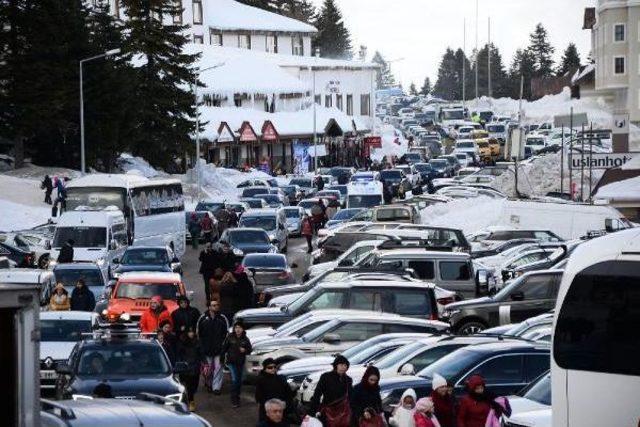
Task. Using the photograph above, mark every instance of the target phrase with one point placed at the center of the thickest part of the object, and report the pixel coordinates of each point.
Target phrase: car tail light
(446, 300)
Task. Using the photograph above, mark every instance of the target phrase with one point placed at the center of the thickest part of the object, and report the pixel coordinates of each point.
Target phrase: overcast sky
(420, 30)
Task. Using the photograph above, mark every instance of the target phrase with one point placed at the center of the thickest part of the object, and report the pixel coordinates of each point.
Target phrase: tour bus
(153, 208)
(595, 372)
(364, 194)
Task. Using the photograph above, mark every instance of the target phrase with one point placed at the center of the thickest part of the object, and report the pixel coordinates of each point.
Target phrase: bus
(596, 339)
(153, 208)
(364, 194)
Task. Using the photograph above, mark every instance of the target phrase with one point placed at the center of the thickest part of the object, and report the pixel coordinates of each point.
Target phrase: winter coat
(403, 417)
(206, 224)
(227, 262)
(66, 254)
(331, 388)
(244, 292)
(208, 261)
(473, 412)
(231, 348)
(59, 302)
(151, 319)
(444, 409)
(82, 299)
(225, 289)
(212, 332)
(363, 398)
(270, 386)
(423, 420)
(47, 184)
(170, 346)
(185, 318)
(190, 352)
(320, 184)
(233, 218)
(307, 228)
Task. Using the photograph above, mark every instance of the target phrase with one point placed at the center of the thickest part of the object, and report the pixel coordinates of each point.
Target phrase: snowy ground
(469, 215)
(21, 203)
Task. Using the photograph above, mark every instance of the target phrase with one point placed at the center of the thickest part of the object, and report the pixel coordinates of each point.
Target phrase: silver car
(294, 216)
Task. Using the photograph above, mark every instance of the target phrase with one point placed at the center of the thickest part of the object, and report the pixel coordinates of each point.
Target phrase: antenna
(489, 91)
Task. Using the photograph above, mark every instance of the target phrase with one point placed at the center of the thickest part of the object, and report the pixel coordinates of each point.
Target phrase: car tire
(470, 327)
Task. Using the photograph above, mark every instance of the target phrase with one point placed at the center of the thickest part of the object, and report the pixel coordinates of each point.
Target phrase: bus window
(157, 199)
(597, 324)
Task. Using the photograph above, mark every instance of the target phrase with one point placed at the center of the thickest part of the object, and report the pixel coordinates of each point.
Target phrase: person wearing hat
(185, 316)
(424, 416)
(153, 316)
(269, 386)
(476, 405)
(235, 349)
(366, 403)
(190, 352)
(60, 299)
(82, 299)
(443, 401)
(330, 401)
(403, 414)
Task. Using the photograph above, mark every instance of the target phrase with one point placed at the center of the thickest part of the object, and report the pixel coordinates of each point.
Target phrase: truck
(19, 339)
(364, 194)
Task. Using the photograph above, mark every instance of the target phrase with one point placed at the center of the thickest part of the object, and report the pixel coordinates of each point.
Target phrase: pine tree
(523, 65)
(333, 38)
(426, 87)
(412, 89)
(302, 10)
(542, 52)
(570, 60)
(165, 115)
(448, 82)
(384, 77)
(499, 83)
(463, 61)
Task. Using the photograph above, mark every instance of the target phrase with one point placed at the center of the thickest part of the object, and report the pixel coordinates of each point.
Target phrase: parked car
(268, 270)
(342, 216)
(254, 203)
(212, 206)
(22, 258)
(254, 191)
(32, 243)
(293, 215)
(442, 167)
(273, 200)
(342, 189)
(396, 213)
(238, 207)
(146, 258)
(293, 193)
(395, 179)
(305, 184)
(535, 396)
(348, 258)
(273, 221)
(247, 240)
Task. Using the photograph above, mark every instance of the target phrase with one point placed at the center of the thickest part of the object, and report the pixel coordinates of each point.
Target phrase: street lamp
(82, 61)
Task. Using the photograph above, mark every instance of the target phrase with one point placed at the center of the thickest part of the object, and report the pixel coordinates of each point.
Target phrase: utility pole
(562, 162)
(315, 133)
(464, 57)
(477, 56)
(489, 91)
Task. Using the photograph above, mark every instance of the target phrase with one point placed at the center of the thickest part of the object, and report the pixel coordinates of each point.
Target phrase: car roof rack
(106, 331)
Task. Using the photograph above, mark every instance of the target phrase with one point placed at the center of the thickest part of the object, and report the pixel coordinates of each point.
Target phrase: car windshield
(398, 355)
(248, 236)
(126, 359)
(57, 330)
(209, 206)
(364, 201)
(144, 256)
(341, 188)
(453, 114)
(452, 364)
(541, 391)
(292, 213)
(264, 222)
(305, 183)
(391, 174)
(70, 276)
(83, 237)
(345, 214)
(253, 192)
(495, 128)
(265, 261)
(439, 163)
(169, 291)
(254, 203)
(307, 204)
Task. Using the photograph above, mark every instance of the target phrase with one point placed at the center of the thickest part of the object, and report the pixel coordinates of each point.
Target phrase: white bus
(595, 370)
(364, 194)
(153, 208)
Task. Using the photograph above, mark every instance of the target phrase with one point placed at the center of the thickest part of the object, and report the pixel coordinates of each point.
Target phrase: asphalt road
(217, 409)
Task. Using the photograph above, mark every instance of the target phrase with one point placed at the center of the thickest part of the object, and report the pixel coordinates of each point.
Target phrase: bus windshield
(453, 114)
(95, 197)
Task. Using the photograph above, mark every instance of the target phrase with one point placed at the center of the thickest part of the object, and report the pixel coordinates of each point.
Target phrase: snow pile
(393, 143)
(220, 182)
(137, 166)
(469, 215)
(628, 189)
(16, 216)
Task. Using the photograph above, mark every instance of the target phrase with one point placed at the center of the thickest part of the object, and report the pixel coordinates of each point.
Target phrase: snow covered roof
(231, 15)
(583, 72)
(625, 190)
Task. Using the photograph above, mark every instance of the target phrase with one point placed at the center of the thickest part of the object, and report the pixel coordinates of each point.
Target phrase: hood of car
(129, 386)
(136, 306)
(56, 350)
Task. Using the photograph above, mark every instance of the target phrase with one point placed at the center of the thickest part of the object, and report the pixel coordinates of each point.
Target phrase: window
(357, 331)
(501, 370)
(350, 105)
(426, 358)
(424, 269)
(597, 324)
(618, 65)
(412, 303)
(177, 16)
(535, 365)
(328, 101)
(331, 299)
(619, 31)
(339, 102)
(198, 39)
(364, 105)
(297, 46)
(119, 234)
(215, 37)
(271, 43)
(455, 270)
(535, 287)
(244, 41)
(366, 300)
(197, 12)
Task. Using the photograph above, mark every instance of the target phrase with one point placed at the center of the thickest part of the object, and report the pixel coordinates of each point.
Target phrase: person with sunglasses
(269, 386)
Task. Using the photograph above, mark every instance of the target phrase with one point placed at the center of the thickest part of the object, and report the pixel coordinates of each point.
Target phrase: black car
(22, 258)
(146, 258)
(426, 171)
(442, 167)
(247, 241)
(128, 365)
(530, 295)
(395, 179)
(212, 207)
(507, 366)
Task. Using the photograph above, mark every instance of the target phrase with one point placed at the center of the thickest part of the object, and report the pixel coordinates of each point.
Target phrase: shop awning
(247, 134)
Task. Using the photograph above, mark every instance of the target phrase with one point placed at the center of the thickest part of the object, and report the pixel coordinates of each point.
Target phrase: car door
(534, 295)
(346, 335)
(503, 374)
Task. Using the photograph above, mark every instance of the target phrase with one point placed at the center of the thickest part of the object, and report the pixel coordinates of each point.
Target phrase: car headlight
(175, 396)
(237, 252)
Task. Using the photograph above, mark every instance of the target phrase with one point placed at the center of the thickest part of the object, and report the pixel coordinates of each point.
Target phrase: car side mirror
(115, 261)
(181, 368)
(331, 338)
(47, 244)
(517, 296)
(63, 369)
(407, 369)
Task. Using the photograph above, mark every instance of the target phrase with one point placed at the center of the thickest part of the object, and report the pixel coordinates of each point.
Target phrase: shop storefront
(249, 145)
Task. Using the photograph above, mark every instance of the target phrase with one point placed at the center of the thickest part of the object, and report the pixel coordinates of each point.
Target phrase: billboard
(302, 157)
(599, 160)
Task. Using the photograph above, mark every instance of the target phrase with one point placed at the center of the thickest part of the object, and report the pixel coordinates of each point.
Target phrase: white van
(99, 235)
(596, 339)
(364, 194)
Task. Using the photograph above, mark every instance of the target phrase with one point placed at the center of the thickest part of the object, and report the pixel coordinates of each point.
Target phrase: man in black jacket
(185, 316)
(212, 331)
(270, 385)
(333, 390)
(208, 264)
(66, 252)
(82, 298)
(235, 350)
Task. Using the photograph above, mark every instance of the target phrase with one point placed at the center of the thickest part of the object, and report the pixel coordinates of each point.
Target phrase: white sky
(420, 30)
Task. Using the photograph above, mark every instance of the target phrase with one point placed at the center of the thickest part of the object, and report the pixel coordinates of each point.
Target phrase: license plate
(48, 375)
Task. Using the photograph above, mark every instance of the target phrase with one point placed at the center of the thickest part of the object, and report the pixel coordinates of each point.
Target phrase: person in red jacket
(307, 231)
(154, 315)
(424, 417)
(444, 402)
(476, 404)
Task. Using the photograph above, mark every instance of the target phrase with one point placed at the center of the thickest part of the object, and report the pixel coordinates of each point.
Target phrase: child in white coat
(403, 414)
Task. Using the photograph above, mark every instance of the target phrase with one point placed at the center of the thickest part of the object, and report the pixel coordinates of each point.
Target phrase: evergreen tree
(333, 38)
(412, 89)
(570, 60)
(523, 65)
(384, 77)
(165, 104)
(463, 61)
(302, 10)
(447, 85)
(542, 52)
(426, 87)
(499, 80)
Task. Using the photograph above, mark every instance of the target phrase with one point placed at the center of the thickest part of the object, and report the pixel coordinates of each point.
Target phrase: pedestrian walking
(476, 405)
(235, 350)
(61, 199)
(403, 414)
(233, 217)
(60, 299)
(444, 402)
(194, 230)
(330, 401)
(207, 259)
(190, 352)
(47, 186)
(206, 226)
(82, 298)
(366, 403)
(307, 232)
(424, 416)
(269, 386)
(212, 331)
(66, 252)
(214, 284)
(319, 183)
(228, 294)
(226, 259)
(275, 414)
(185, 316)
(168, 340)
(244, 296)
(154, 315)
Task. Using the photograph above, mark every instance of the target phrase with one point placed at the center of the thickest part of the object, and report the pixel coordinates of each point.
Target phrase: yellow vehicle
(494, 144)
(479, 134)
(484, 150)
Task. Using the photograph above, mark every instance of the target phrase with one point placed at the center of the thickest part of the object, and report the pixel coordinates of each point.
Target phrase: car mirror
(63, 369)
(517, 296)
(331, 338)
(115, 261)
(407, 369)
(181, 368)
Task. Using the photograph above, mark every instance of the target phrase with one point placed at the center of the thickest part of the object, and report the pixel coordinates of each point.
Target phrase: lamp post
(82, 61)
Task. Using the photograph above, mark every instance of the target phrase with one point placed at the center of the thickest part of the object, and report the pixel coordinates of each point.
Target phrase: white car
(535, 142)
(406, 113)
(463, 158)
(539, 418)
(464, 132)
(535, 396)
(409, 171)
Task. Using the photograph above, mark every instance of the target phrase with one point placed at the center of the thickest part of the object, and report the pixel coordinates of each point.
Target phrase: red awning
(247, 134)
(269, 132)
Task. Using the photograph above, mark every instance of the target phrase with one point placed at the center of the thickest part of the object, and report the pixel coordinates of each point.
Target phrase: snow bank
(393, 143)
(220, 182)
(470, 215)
(137, 166)
(16, 216)
(628, 189)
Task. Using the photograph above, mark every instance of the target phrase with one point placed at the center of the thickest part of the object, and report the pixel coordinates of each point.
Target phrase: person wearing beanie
(424, 416)
(403, 414)
(366, 403)
(476, 404)
(269, 386)
(154, 315)
(185, 316)
(444, 401)
(235, 349)
(330, 401)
